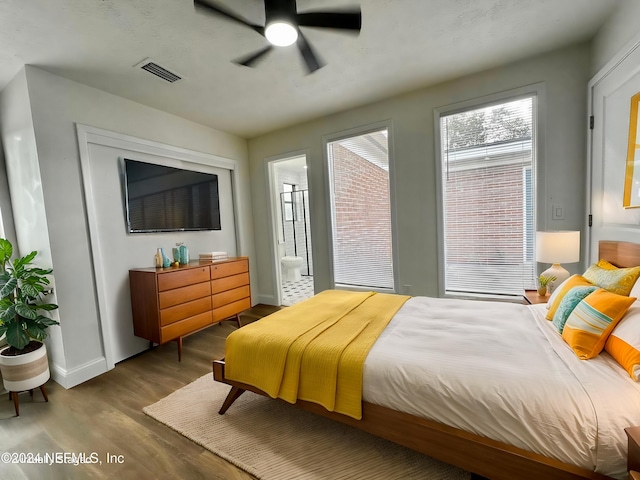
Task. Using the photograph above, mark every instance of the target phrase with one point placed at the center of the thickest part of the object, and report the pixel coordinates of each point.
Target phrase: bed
(565, 417)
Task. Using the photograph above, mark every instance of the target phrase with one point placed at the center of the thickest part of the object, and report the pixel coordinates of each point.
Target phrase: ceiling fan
(282, 27)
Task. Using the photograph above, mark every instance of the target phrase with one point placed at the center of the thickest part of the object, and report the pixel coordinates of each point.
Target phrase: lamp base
(557, 271)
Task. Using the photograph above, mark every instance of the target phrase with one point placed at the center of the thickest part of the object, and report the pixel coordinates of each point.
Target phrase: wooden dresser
(171, 303)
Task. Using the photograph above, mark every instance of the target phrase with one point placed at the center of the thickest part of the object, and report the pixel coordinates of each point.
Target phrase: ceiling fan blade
(253, 58)
(207, 6)
(310, 58)
(339, 20)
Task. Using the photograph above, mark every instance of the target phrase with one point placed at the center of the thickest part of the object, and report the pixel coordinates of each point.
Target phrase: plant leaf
(9, 286)
(47, 306)
(30, 290)
(26, 311)
(22, 262)
(8, 313)
(42, 271)
(16, 336)
(46, 321)
(37, 332)
(6, 250)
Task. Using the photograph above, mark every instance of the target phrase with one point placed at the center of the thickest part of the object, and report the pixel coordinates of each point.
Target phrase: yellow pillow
(624, 342)
(608, 276)
(568, 284)
(593, 319)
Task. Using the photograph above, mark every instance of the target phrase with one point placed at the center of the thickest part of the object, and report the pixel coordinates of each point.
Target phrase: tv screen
(164, 199)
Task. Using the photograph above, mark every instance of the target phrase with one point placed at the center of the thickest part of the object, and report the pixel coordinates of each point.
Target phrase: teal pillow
(572, 298)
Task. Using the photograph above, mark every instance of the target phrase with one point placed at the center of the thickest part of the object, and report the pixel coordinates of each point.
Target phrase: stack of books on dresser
(213, 256)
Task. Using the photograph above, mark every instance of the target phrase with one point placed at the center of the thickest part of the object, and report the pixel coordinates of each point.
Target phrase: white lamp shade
(558, 247)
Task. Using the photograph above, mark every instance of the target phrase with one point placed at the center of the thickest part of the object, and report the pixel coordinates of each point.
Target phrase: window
(488, 189)
(361, 211)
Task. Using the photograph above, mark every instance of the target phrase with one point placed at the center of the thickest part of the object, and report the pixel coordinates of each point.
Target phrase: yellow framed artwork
(632, 173)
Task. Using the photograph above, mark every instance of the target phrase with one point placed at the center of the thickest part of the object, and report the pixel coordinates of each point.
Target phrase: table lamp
(556, 248)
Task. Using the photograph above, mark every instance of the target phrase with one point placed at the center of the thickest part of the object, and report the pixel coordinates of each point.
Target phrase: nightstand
(531, 297)
(633, 454)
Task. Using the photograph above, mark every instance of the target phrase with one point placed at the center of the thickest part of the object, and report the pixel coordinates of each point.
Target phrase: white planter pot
(25, 372)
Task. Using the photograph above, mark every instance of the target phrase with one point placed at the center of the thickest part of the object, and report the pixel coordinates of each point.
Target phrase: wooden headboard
(621, 254)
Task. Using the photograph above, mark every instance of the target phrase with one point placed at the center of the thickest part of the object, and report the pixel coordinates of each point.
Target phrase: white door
(611, 91)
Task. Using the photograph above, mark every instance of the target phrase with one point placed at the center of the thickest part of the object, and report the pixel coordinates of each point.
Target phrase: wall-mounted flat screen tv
(165, 199)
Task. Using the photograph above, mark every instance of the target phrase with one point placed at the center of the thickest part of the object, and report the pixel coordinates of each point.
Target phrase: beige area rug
(276, 441)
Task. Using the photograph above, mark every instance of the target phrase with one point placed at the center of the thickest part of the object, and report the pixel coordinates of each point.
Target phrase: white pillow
(635, 291)
(554, 294)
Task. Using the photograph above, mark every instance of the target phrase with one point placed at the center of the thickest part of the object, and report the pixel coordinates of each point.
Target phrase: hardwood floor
(103, 418)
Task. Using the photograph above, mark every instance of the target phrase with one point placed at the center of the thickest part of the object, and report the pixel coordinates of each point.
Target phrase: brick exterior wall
(480, 205)
(362, 250)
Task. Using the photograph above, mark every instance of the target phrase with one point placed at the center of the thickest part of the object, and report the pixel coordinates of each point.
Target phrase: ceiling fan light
(281, 34)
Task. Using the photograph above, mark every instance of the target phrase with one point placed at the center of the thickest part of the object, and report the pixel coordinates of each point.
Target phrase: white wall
(101, 154)
(57, 105)
(7, 229)
(565, 74)
(621, 28)
(25, 187)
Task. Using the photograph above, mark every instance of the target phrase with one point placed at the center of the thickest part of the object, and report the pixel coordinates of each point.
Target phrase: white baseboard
(78, 375)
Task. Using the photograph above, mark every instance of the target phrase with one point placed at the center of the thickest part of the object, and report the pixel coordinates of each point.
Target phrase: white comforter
(502, 371)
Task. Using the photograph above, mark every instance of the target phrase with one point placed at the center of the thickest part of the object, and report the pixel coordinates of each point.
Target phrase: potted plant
(23, 362)
(543, 283)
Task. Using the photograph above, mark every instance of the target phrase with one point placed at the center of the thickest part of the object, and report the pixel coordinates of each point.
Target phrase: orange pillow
(592, 321)
(624, 342)
(572, 281)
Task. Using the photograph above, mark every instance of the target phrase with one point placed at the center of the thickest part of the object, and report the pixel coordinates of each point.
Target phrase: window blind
(361, 211)
(488, 180)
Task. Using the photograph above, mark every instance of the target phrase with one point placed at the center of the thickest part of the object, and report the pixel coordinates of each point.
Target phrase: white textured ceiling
(403, 45)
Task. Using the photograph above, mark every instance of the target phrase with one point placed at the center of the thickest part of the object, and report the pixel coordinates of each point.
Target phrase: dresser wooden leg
(238, 320)
(179, 340)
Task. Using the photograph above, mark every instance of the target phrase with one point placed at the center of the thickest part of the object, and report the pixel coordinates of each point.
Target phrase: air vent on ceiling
(158, 70)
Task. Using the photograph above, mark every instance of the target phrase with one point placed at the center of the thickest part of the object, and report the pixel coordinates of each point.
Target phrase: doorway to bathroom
(292, 226)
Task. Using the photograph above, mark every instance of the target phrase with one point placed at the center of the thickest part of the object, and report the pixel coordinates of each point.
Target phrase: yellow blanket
(313, 351)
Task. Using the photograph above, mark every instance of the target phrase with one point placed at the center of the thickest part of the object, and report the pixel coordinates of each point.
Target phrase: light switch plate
(557, 212)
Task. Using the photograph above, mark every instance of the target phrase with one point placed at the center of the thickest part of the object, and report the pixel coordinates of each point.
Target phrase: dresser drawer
(231, 309)
(177, 279)
(184, 310)
(169, 298)
(185, 327)
(230, 296)
(229, 283)
(230, 268)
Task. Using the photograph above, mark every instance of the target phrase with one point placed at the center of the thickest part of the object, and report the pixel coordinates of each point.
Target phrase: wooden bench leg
(16, 402)
(16, 398)
(44, 393)
(234, 394)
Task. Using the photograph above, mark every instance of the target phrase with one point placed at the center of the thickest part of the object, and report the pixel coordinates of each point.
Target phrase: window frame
(290, 202)
(342, 135)
(537, 90)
